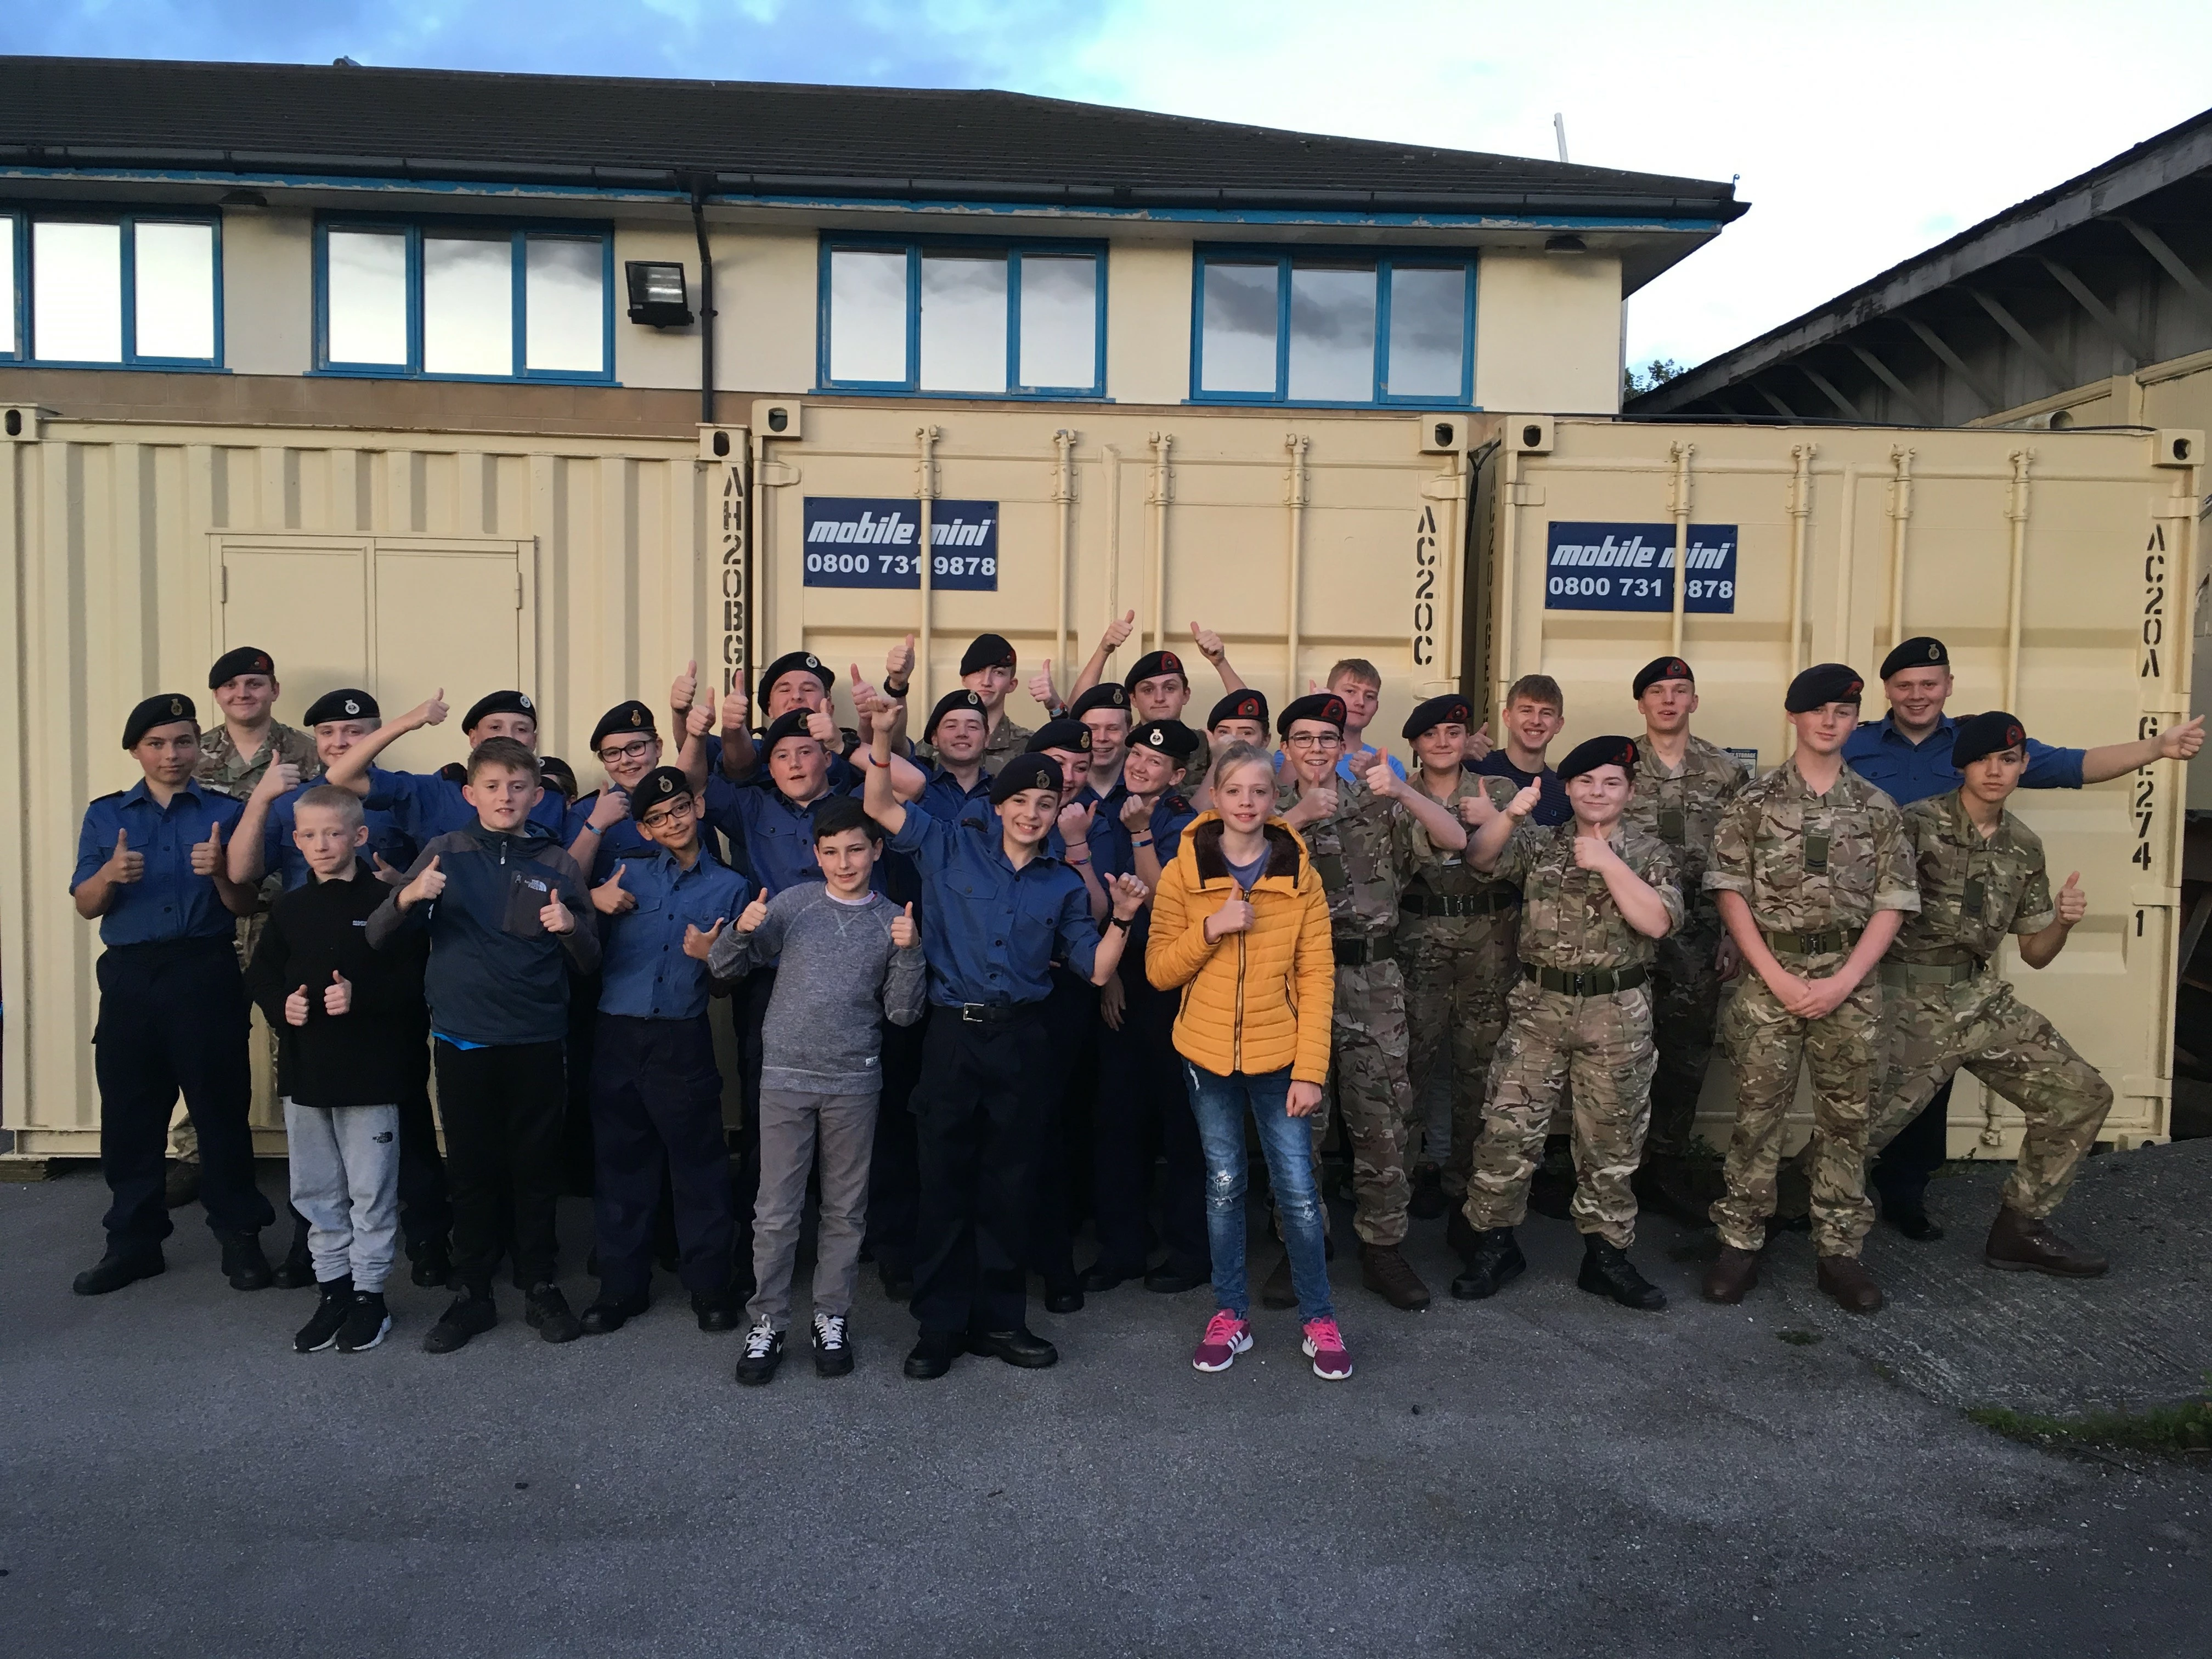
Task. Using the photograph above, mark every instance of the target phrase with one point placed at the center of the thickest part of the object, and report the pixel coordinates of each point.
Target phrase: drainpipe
(706, 304)
(1900, 514)
(925, 489)
(1063, 496)
(1682, 454)
(1801, 510)
(1161, 441)
(1295, 443)
(2015, 510)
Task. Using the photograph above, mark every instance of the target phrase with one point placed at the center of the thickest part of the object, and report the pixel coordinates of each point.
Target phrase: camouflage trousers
(1768, 1045)
(1367, 1029)
(1685, 998)
(1603, 1045)
(1458, 971)
(1932, 1031)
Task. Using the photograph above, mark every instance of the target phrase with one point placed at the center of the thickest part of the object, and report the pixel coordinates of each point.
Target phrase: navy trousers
(656, 1124)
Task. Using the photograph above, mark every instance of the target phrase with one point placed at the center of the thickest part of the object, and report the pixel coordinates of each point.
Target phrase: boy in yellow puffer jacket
(1240, 924)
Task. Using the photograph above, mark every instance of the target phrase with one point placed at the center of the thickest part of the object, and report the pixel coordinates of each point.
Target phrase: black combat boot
(1494, 1262)
(1606, 1271)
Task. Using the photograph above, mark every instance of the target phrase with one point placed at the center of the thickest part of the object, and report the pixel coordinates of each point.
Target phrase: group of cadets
(953, 1008)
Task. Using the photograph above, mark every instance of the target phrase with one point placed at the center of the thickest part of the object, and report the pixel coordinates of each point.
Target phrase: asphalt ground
(1543, 1473)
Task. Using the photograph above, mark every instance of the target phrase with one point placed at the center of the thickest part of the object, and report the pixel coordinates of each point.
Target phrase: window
(1322, 328)
(99, 289)
(977, 318)
(465, 301)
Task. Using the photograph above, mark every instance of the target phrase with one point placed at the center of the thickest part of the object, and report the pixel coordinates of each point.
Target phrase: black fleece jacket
(359, 1058)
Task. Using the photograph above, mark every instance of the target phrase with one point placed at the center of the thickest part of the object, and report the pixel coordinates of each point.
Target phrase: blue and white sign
(856, 541)
(1631, 567)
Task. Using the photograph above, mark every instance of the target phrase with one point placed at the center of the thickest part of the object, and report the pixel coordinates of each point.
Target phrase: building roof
(2093, 277)
(765, 139)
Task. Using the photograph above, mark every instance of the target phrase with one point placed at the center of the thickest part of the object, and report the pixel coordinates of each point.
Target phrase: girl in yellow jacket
(1240, 927)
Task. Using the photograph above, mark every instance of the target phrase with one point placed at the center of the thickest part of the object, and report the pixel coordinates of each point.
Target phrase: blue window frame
(107, 288)
(440, 299)
(1333, 328)
(962, 316)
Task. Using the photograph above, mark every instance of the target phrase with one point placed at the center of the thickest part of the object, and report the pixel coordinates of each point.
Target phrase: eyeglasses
(661, 817)
(637, 750)
(1314, 740)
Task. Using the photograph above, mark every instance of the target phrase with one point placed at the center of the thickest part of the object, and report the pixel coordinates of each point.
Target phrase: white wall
(267, 291)
(1547, 333)
(1148, 323)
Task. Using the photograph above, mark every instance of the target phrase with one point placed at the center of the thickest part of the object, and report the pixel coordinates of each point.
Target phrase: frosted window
(1060, 322)
(1428, 333)
(1238, 347)
(468, 306)
(365, 293)
(1332, 336)
(565, 305)
(867, 315)
(963, 323)
(172, 285)
(76, 292)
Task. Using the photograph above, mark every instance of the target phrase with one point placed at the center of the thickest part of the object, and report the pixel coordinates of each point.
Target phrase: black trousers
(894, 1173)
(577, 1164)
(172, 1018)
(1142, 1112)
(748, 1010)
(1902, 1169)
(503, 1107)
(656, 1125)
(1071, 1089)
(979, 1120)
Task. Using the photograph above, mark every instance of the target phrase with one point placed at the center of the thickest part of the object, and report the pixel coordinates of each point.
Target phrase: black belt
(1821, 943)
(1459, 904)
(1585, 981)
(1359, 952)
(987, 1013)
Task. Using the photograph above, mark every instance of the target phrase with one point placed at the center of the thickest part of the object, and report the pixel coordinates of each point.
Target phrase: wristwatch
(1121, 922)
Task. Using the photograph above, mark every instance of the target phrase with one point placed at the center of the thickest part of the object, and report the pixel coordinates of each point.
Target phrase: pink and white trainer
(1226, 1336)
(1324, 1345)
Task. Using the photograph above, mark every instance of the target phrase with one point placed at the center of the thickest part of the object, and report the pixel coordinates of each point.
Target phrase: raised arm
(2069, 905)
(248, 857)
(738, 756)
(877, 792)
(1445, 831)
(1488, 845)
(2117, 760)
(1116, 636)
(1210, 648)
(350, 769)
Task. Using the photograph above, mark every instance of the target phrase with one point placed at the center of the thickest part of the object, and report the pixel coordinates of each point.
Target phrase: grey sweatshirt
(839, 971)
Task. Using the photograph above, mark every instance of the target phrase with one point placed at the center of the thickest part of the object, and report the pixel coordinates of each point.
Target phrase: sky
(1860, 134)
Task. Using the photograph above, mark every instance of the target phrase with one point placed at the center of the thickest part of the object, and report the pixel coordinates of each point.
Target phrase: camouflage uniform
(1682, 810)
(1944, 1006)
(1813, 869)
(1600, 1040)
(1007, 737)
(1356, 852)
(1458, 969)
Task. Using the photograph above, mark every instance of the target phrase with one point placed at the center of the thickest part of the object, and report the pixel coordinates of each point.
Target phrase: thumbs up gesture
(734, 710)
(123, 864)
(755, 913)
(1042, 688)
(698, 721)
(1525, 802)
(430, 712)
(555, 918)
(904, 931)
(822, 726)
(338, 995)
(276, 778)
(683, 691)
(386, 874)
(1208, 643)
(611, 898)
(699, 946)
(426, 886)
(898, 667)
(1478, 743)
(2073, 903)
(609, 809)
(1118, 630)
(295, 1007)
(207, 857)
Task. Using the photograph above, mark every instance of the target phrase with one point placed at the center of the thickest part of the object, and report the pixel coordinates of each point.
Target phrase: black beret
(1314, 705)
(1658, 669)
(792, 724)
(795, 662)
(987, 651)
(1980, 735)
(345, 704)
(1152, 665)
(632, 719)
(1594, 752)
(246, 660)
(1029, 771)
(499, 702)
(952, 702)
(1245, 705)
(1921, 651)
(1108, 696)
(164, 708)
(1437, 711)
(1060, 734)
(1170, 738)
(552, 771)
(1822, 683)
(834, 816)
(662, 784)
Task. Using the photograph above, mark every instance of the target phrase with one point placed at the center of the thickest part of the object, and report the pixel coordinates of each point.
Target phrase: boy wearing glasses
(656, 1094)
(1350, 831)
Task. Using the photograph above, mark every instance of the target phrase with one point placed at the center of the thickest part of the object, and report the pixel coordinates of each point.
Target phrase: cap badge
(637, 717)
(1934, 651)
(176, 705)
(352, 707)
(523, 697)
(813, 661)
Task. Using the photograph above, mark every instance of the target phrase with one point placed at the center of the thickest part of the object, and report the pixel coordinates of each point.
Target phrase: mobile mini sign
(1631, 567)
(855, 541)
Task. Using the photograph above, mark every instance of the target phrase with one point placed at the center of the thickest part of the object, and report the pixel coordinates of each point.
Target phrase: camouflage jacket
(1358, 856)
(1007, 739)
(1448, 874)
(226, 771)
(1568, 918)
(1684, 808)
(1805, 862)
(1973, 890)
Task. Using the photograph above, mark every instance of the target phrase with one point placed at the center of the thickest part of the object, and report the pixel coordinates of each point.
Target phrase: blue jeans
(1286, 1142)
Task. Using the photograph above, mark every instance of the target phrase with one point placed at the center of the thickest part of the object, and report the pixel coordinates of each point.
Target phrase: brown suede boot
(1385, 1270)
(2020, 1243)
(1729, 1279)
(1845, 1278)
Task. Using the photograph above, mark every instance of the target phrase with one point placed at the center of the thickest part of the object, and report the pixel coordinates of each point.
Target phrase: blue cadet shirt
(1111, 851)
(620, 839)
(1172, 816)
(1553, 806)
(770, 838)
(168, 902)
(425, 805)
(280, 854)
(1907, 771)
(644, 974)
(991, 932)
